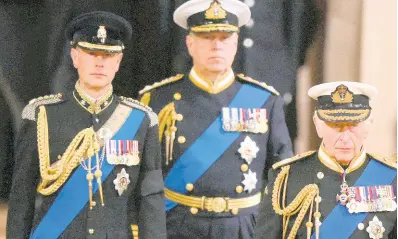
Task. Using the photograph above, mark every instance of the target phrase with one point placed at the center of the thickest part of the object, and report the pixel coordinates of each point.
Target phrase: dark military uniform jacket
(197, 105)
(142, 203)
(307, 169)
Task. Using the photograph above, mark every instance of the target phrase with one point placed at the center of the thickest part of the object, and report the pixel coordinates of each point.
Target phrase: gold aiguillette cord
(98, 175)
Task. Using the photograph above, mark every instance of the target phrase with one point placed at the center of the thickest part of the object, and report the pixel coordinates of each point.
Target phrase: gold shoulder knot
(389, 161)
(161, 83)
(30, 110)
(292, 159)
(140, 106)
(258, 83)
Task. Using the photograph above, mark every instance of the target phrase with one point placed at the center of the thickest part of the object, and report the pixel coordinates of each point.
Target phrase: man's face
(342, 140)
(213, 52)
(96, 69)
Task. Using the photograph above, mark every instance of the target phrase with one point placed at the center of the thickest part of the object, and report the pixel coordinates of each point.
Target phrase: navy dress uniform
(88, 168)
(217, 138)
(311, 195)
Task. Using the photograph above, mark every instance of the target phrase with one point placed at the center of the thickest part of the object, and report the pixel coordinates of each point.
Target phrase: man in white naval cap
(219, 131)
(340, 190)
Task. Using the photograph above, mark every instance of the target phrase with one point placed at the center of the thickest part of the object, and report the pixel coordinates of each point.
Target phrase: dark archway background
(34, 54)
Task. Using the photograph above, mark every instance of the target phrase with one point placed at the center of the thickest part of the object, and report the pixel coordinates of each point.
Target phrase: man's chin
(97, 84)
(344, 158)
(217, 68)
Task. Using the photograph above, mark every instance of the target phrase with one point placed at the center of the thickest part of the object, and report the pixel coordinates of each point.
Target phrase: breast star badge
(250, 181)
(248, 149)
(375, 228)
(121, 181)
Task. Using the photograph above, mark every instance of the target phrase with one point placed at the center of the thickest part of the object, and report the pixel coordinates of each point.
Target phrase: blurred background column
(359, 44)
(378, 66)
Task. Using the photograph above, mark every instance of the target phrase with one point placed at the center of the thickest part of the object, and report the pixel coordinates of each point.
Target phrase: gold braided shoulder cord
(84, 145)
(300, 204)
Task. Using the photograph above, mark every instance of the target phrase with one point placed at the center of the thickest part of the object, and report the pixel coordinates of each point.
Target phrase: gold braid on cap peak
(167, 127)
(84, 145)
(300, 205)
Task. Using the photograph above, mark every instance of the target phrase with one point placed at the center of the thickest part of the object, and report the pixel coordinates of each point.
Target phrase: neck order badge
(340, 216)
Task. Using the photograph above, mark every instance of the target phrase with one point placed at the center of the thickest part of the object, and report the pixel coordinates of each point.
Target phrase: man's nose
(345, 135)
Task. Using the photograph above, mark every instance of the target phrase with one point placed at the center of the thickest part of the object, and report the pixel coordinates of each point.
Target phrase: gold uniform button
(239, 189)
(194, 210)
(93, 204)
(179, 117)
(181, 139)
(177, 96)
(189, 187)
(91, 231)
(244, 167)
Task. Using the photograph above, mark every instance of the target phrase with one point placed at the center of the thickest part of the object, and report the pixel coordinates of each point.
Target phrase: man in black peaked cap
(88, 161)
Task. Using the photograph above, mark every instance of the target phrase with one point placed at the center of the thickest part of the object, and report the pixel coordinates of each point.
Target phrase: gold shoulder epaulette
(292, 159)
(389, 161)
(161, 83)
(140, 106)
(29, 111)
(258, 83)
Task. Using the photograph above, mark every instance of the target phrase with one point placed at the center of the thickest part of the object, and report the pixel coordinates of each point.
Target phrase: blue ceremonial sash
(340, 223)
(213, 142)
(74, 195)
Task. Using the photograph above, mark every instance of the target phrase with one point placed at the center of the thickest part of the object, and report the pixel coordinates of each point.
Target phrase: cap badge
(342, 95)
(215, 11)
(101, 34)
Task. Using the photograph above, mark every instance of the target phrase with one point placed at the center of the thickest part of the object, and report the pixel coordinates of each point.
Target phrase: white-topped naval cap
(189, 8)
(356, 88)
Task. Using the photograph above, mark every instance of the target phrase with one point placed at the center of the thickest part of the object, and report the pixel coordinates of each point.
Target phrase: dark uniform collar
(212, 87)
(332, 163)
(88, 103)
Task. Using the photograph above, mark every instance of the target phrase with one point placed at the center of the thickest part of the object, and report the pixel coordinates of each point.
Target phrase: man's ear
(119, 60)
(367, 127)
(74, 53)
(319, 124)
(189, 41)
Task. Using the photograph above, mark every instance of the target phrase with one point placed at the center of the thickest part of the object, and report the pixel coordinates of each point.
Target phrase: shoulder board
(258, 83)
(292, 159)
(30, 110)
(161, 83)
(389, 161)
(140, 106)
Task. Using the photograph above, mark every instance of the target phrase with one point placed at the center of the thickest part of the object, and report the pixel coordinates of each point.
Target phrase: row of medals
(245, 120)
(122, 152)
(367, 198)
